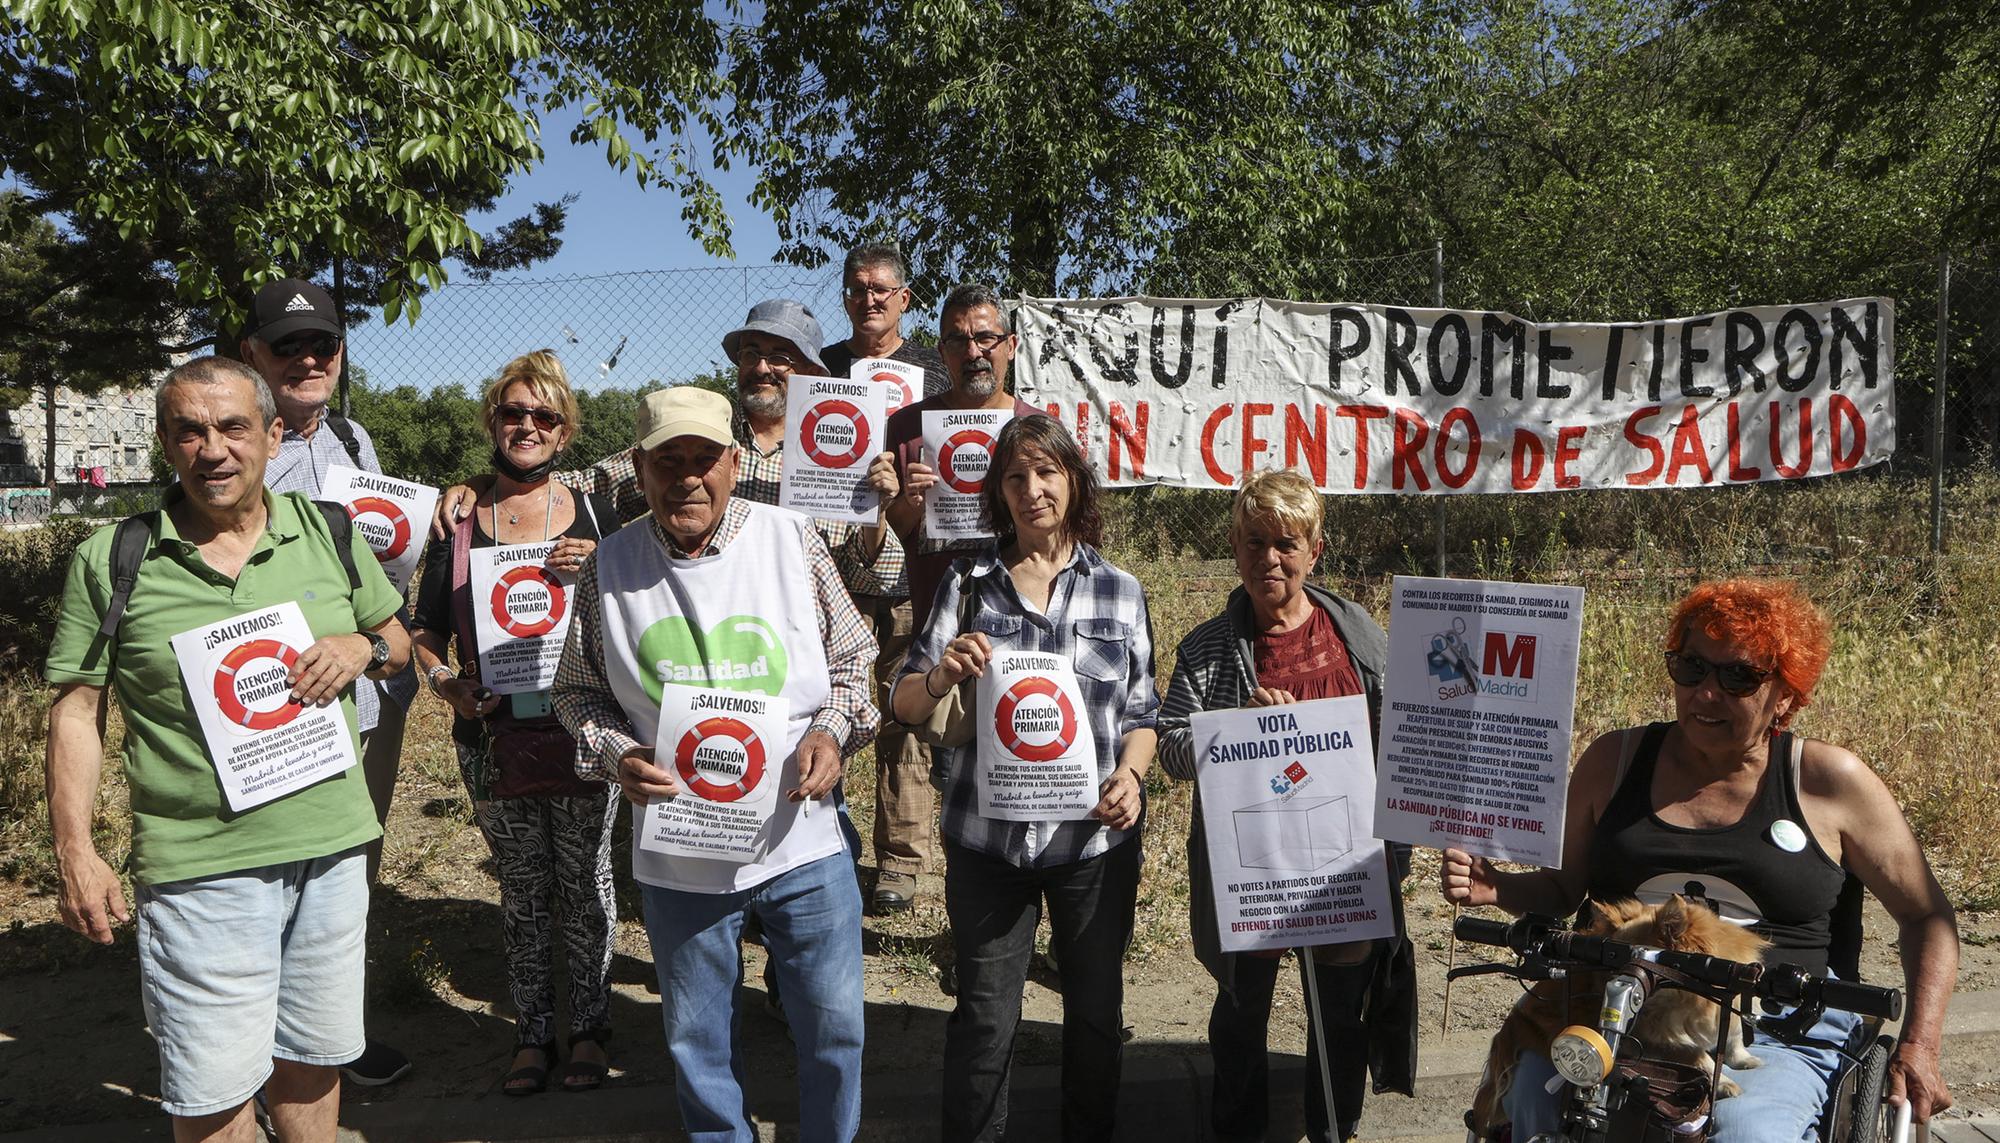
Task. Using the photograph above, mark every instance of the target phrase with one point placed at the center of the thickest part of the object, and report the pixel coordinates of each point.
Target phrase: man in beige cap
(718, 594)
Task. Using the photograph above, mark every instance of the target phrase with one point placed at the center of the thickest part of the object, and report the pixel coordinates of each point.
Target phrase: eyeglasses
(1738, 679)
(300, 344)
(547, 420)
(985, 339)
(858, 293)
(782, 362)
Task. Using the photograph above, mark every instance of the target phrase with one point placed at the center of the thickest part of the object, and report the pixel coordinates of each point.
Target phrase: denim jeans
(1781, 1101)
(811, 918)
(1238, 1027)
(994, 907)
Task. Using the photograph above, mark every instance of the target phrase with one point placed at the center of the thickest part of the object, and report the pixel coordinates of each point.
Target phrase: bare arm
(1877, 844)
(92, 898)
(1468, 880)
(905, 512)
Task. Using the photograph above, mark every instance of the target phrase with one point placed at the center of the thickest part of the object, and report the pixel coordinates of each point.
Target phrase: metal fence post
(340, 315)
(1437, 301)
(1937, 402)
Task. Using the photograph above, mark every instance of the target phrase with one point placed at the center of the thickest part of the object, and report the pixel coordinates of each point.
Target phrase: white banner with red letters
(392, 515)
(1476, 716)
(263, 744)
(520, 615)
(727, 751)
(833, 430)
(1371, 398)
(1037, 758)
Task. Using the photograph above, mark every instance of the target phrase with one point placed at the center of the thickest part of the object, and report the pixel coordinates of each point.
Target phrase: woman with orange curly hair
(1766, 827)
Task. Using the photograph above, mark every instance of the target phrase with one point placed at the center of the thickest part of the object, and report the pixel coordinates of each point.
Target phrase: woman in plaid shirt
(1043, 588)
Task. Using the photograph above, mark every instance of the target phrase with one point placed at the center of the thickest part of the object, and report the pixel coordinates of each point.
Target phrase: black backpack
(128, 550)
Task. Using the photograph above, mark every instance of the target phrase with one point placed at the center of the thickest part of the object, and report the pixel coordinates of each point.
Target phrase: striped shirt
(1096, 619)
(584, 700)
(758, 475)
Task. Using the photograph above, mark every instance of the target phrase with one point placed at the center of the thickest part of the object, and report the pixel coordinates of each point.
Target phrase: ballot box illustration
(1296, 833)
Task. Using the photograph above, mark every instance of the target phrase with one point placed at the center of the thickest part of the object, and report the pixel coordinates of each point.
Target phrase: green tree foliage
(234, 142)
(1063, 145)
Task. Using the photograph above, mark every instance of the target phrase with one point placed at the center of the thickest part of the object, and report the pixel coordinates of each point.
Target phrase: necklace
(548, 513)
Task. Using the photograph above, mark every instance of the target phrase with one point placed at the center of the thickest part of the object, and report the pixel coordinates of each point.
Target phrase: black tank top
(1766, 870)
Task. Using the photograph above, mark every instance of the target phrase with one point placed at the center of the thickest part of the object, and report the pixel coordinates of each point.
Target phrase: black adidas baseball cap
(289, 305)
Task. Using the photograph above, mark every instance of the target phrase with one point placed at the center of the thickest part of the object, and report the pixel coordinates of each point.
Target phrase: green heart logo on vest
(744, 654)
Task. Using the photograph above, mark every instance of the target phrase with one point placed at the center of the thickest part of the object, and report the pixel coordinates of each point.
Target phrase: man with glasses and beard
(297, 343)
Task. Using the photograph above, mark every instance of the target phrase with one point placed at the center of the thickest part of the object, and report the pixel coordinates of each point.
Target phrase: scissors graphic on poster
(1449, 654)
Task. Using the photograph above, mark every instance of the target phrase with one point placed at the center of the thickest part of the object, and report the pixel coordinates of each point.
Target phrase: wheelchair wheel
(1857, 1107)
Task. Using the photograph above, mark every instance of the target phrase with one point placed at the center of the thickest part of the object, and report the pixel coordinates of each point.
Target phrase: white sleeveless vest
(745, 618)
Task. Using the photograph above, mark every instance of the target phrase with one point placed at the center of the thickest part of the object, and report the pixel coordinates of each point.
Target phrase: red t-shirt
(1310, 660)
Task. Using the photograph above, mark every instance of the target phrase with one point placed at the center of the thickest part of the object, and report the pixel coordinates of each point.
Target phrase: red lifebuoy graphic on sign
(1003, 720)
(899, 389)
(809, 433)
(233, 707)
(399, 524)
(948, 470)
(719, 727)
(505, 618)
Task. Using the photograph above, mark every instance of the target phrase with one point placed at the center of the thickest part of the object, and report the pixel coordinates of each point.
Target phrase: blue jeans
(1781, 1101)
(812, 925)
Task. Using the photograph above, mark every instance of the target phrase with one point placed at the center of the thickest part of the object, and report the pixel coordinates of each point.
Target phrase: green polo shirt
(182, 825)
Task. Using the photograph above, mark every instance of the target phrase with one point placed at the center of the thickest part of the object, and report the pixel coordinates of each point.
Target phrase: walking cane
(1319, 1035)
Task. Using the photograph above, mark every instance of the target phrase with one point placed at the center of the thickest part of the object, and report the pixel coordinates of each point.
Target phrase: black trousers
(994, 908)
(1237, 1029)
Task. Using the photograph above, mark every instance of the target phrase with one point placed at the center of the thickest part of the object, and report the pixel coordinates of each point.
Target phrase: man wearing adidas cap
(297, 343)
(710, 589)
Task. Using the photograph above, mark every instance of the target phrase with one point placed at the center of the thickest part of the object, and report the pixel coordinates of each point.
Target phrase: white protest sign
(392, 515)
(904, 382)
(960, 447)
(1476, 717)
(520, 615)
(727, 751)
(1287, 799)
(833, 429)
(263, 744)
(1037, 757)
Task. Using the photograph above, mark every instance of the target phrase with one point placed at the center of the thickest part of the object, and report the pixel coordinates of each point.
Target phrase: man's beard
(765, 403)
(983, 383)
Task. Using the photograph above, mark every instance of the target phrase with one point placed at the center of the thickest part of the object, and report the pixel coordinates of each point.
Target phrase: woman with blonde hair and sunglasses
(1769, 828)
(549, 831)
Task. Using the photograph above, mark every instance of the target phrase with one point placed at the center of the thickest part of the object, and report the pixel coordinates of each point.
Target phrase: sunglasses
(300, 344)
(547, 420)
(1738, 679)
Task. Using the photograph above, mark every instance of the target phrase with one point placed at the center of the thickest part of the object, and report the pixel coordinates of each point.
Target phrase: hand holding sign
(320, 672)
(1037, 758)
(1467, 880)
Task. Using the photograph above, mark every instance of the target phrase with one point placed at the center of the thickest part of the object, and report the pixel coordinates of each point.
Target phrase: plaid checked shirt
(1097, 619)
(582, 693)
(758, 474)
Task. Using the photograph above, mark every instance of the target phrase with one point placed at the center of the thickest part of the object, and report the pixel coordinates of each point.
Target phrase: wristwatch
(378, 650)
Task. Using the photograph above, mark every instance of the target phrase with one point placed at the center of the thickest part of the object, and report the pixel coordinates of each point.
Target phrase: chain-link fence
(629, 331)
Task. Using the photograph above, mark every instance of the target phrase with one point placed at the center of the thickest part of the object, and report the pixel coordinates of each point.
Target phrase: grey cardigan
(1215, 669)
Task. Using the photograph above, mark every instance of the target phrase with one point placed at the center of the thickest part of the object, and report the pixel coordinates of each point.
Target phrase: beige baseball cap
(683, 411)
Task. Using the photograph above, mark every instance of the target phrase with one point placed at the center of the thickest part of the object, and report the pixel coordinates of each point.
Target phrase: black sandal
(585, 1075)
(530, 1080)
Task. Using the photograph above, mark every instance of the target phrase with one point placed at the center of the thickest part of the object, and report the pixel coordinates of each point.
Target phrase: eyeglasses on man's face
(750, 355)
(858, 292)
(548, 420)
(985, 339)
(300, 344)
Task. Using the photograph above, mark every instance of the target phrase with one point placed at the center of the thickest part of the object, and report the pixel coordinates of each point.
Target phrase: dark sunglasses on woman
(1738, 679)
(548, 420)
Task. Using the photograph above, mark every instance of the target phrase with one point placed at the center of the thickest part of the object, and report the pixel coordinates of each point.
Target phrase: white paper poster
(904, 382)
(960, 448)
(263, 744)
(833, 430)
(520, 615)
(727, 751)
(392, 515)
(1476, 719)
(1287, 800)
(1037, 757)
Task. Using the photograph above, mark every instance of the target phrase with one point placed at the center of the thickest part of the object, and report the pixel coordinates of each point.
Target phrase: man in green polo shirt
(252, 919)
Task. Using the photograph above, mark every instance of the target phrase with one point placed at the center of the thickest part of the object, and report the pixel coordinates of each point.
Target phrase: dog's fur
(1673, 1025)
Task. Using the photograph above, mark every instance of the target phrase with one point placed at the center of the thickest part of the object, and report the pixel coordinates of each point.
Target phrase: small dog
(1673, 1025)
